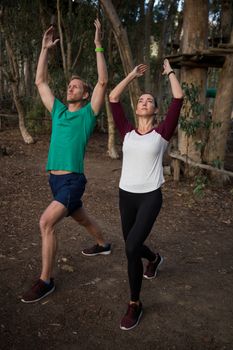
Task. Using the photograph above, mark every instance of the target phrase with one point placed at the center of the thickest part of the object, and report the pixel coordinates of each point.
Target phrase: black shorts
(68, 189)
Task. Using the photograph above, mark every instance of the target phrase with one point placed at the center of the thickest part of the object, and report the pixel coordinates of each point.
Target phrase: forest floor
(188, 306)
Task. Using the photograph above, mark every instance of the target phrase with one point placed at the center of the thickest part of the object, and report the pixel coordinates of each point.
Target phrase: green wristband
(99, 49)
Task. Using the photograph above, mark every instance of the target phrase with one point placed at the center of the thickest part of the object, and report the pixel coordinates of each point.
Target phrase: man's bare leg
(81, 216)
(45, 285)
(54, 213)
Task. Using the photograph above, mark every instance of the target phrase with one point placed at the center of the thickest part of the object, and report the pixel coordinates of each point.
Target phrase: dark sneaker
(152, 267)
(38, 291)
(97, 250)
(132, 317)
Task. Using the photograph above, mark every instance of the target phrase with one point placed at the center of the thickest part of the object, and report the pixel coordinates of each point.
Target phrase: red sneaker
(97, 250)
(132, 317)
(38, 291)
(152, 267)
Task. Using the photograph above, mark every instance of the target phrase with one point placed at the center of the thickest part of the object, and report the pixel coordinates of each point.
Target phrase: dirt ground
(188, 306)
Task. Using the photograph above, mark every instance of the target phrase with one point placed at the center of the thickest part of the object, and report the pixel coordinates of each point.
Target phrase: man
(71, 129)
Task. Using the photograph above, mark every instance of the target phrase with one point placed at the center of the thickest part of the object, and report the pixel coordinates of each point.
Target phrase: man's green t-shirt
(70, 134)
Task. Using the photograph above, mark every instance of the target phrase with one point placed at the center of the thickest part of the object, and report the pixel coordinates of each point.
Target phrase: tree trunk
(28, 76)
(43, 15)
(166, 29)
(226, 20)
(216, 148)
(187, 144)
(1, 74)
(112, 152)
(65, 27)
(68, 39)
(195, 33)
(59, 20)
(21, 114)
(82, 39)
(139, 37)
(14, 78)
(148, 19)
(121, 38)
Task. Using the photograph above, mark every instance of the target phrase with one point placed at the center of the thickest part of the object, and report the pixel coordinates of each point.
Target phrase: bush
(38, 119)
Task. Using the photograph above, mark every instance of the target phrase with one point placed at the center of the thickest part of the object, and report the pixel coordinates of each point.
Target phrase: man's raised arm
(42, 68)
(97, 98)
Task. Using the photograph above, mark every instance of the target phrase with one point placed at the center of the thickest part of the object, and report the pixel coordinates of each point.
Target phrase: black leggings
(138, 214)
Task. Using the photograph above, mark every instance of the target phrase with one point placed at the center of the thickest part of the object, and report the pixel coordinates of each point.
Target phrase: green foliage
(190, 121)
(57, 81)
(217, 163)
(189, 126)
(25, 19)
(20, 20)
(200, 145)
(36, 119)
(200, 182)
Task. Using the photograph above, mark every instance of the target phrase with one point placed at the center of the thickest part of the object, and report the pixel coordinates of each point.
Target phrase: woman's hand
(166, 67)
(139, 70)
(175, 85)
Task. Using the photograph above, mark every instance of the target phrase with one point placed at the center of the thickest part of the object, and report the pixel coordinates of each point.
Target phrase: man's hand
(98, 38)
(48, 41)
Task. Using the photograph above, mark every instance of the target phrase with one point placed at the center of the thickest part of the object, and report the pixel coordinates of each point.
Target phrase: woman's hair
(156, 104)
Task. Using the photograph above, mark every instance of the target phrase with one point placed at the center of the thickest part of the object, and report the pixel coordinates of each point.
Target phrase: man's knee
(45, 225)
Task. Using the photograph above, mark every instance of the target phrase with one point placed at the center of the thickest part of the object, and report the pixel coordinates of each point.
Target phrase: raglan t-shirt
(70, 134)
(142, 169)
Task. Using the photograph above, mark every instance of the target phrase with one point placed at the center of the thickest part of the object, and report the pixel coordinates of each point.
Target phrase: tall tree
(166, 27)
(195, 34)
(216, 147)
(112, 151)
(12, 75)
(121, 38)
(226, 20)
(75, 30)
(148, 21)
(1, 70)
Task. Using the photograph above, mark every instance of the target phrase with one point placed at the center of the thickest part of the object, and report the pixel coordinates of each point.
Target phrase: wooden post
(176, 169)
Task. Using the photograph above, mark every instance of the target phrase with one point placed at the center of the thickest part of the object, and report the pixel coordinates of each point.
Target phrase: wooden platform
(213, 57)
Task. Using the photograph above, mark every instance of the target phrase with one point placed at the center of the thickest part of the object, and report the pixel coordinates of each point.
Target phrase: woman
(141, 180)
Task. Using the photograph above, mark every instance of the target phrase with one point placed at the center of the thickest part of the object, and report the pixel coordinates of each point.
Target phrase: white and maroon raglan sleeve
(167, 127)
(121, 122)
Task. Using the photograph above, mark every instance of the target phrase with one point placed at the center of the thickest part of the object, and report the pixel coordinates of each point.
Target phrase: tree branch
(200, 165)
